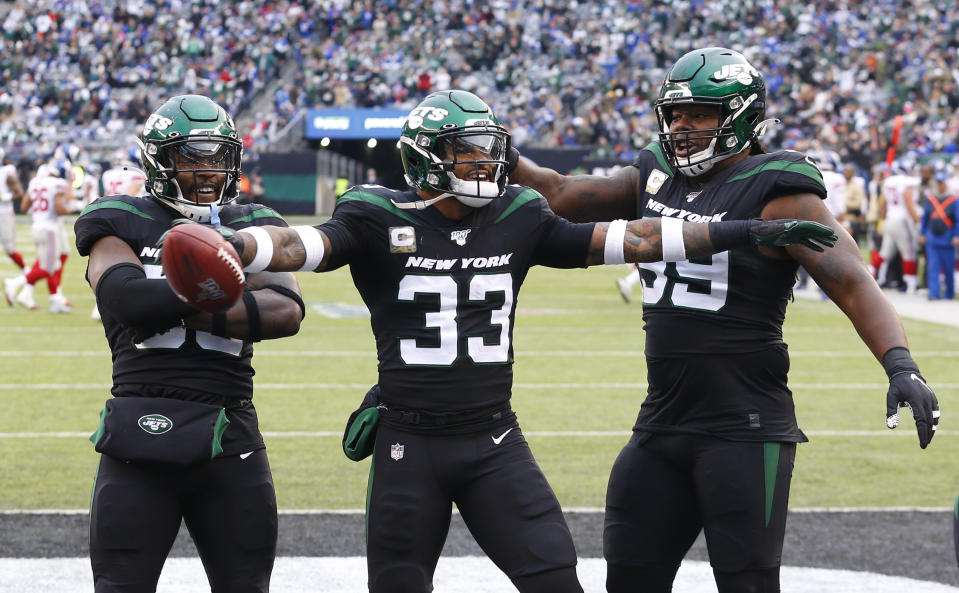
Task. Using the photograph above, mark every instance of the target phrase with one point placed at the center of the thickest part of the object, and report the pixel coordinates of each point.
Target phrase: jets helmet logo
(420, 114)
(156, 122)
(743, 73)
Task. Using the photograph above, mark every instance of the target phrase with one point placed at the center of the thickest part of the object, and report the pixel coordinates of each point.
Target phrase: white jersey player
(900, 215)
(48, 197)
(10, 190)
(124, 177)
(124, 180)
(835, 183)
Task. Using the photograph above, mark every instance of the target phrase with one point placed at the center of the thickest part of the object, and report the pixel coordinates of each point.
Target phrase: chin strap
(764, 126)
(419, 204)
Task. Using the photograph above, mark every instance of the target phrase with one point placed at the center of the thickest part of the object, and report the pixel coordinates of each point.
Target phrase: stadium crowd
(848, 79)
(561, 73)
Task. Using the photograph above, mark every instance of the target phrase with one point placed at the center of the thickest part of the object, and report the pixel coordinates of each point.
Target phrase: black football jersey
(729, 303)
(733, 301)
(180, 360)
(441, 293)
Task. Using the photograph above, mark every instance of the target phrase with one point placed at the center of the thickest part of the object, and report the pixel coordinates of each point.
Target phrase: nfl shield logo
(396, 451)
(460, 236)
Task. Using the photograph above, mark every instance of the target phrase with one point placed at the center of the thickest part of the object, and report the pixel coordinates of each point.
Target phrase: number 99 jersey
(731, 303)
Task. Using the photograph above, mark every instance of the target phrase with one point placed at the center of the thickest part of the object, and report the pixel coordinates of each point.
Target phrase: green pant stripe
(771, 468)
(369, 494)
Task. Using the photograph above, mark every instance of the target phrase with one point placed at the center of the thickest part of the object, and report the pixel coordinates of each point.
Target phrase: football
(201, 267)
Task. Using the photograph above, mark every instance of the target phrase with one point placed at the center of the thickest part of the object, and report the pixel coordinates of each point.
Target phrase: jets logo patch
(155, 423)
(402, 239)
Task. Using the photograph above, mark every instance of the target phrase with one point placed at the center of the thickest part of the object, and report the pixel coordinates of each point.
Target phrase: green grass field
(579, 374)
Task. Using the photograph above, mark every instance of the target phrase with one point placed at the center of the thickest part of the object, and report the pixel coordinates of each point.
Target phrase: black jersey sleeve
(113, 215)
(786, 173)
(561, 243)
(344, 230)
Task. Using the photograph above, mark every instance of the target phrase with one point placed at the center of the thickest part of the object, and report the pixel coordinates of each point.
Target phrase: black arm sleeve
(561, 244)
(136, 301)
(345, 241)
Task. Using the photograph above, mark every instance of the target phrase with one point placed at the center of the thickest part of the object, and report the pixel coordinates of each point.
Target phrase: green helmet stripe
(527, 195)
(116, 205)
(375, 200)
(788, 166)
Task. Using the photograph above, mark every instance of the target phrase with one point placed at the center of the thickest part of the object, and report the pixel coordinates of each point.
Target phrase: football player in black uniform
(440, 269)
(714, 443)
(163, 348)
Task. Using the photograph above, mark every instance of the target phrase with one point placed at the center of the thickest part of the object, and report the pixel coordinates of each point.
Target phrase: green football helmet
(196, 130)
(712, 76)
(443, 129)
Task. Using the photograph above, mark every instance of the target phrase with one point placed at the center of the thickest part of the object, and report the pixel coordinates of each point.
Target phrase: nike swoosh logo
(499, 439)
(914, 377)
(245, 455)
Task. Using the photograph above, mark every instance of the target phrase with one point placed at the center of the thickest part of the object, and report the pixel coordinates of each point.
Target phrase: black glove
(512, 159)
(907, 388)
(789, 231)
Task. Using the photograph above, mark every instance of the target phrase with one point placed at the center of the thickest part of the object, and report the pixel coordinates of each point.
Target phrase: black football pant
(500, 491)
(666, 488)
(228, 506)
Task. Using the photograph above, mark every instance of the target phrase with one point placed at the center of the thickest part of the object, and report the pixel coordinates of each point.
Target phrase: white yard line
(468, 574)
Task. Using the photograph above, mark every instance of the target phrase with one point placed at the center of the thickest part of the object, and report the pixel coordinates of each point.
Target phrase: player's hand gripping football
(908, 389)
(789, 231)
(226, 232)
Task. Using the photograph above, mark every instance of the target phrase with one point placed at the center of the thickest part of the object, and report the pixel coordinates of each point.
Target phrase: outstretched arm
(842, 274)
(282, 249)
(582, 198)
(670, 239)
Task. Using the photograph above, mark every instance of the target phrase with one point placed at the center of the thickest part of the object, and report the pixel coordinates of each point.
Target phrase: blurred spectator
(837, 73)
(856, 203)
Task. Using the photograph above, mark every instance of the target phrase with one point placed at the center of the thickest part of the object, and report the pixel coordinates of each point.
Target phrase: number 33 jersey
(442, 293)
(716, 360)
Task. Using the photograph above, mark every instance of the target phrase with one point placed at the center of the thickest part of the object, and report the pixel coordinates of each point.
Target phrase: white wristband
(615, 235)
(674, 248)
(264, 249)
(313, 245)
